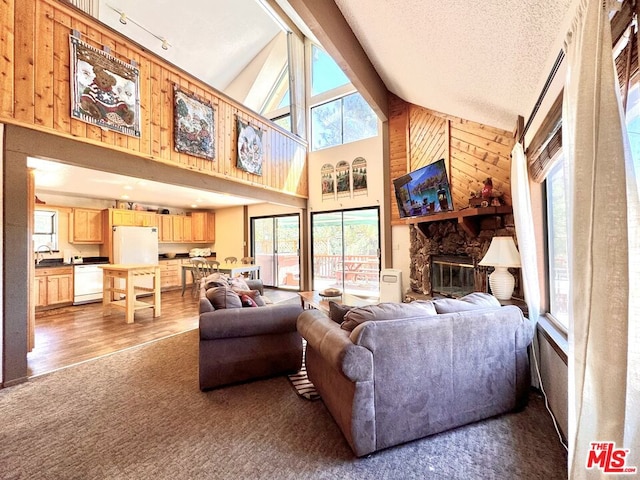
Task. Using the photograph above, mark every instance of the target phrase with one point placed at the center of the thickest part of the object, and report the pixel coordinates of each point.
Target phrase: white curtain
(523, 216)
(603, 215)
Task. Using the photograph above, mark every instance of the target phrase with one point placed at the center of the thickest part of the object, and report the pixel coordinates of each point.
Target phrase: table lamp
(502, 254)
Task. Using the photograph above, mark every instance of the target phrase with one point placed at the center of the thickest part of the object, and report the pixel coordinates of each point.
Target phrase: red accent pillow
(247, 301)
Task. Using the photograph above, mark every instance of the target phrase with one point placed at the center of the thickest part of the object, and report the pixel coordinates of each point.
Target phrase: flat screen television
(424, 191)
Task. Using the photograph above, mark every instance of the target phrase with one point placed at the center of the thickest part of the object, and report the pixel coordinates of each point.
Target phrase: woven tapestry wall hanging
(194, 125)
(105, 91)
(249, 148)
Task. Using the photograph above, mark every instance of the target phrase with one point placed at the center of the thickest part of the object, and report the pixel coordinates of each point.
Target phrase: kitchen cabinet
(203, 227)
(170, 273)
(53, 286)
(165, 228)
(181, 228)
(136, 218)
(86, 226)
(144, 219)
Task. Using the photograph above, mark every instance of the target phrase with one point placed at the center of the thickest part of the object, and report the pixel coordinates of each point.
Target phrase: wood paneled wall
(473, 152)
(35, 93)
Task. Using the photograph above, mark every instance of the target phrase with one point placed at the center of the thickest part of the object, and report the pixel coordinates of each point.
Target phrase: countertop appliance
(136, 246)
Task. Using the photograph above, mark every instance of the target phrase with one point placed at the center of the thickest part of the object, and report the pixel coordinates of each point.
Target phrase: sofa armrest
(255, 284)
(248, 322)
(331, 342)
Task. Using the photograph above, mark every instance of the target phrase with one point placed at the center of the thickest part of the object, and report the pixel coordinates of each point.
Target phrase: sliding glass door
(275, 245)
(346, 251)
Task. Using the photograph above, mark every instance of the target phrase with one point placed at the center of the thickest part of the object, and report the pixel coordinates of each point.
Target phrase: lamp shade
(502, 254)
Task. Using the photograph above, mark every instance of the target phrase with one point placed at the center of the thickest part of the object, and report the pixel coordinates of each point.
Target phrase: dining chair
(230, 260)
(202, 268)
(247, 260)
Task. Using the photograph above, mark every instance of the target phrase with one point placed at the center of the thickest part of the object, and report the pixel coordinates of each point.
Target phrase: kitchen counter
(58, 262)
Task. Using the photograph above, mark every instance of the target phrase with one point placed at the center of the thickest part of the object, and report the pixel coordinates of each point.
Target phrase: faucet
(39, 253)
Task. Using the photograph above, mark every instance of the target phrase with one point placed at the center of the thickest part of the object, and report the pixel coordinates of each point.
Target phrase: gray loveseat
(406, 371)
(240, 344)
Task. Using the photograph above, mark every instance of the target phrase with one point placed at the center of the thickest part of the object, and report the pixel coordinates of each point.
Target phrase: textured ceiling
(481, 60)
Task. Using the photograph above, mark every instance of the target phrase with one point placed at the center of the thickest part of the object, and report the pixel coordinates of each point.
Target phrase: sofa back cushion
(223, 297)
(337, 311)
(387, 311)
(472, 301)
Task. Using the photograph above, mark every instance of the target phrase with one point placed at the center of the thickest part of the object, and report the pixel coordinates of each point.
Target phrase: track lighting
(125, 19)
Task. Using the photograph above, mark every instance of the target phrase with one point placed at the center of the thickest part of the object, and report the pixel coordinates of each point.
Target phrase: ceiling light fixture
(124, 19)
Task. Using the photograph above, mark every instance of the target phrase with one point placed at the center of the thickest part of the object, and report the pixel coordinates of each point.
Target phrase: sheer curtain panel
(603, 395)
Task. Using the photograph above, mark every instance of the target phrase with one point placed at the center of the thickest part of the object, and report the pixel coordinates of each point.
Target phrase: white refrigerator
(136, 246)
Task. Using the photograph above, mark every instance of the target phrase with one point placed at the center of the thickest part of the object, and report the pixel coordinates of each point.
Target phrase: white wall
(371, 150)
(400, 245)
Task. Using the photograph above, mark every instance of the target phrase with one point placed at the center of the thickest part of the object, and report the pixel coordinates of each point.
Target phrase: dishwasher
(87, 284)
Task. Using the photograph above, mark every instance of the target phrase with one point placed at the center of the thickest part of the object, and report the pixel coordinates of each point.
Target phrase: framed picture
(343, 179)
(194, 131)
(328, 181)
(359, 173)
(105, 91)
(249, 148)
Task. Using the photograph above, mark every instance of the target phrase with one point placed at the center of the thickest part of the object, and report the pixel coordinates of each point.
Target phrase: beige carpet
(138, 414)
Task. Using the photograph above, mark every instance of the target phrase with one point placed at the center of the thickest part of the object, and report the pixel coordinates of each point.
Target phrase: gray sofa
(406, 371)
(240, 344)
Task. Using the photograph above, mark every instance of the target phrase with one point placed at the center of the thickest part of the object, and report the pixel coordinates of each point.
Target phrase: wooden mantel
(467, 218)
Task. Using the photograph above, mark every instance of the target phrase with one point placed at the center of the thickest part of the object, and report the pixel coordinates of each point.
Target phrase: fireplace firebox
(452, 275)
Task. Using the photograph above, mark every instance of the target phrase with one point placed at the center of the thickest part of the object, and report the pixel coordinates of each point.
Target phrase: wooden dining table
(231, 269)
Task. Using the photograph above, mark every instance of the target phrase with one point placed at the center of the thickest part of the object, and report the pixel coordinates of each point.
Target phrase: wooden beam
(39, 144)
(325, 20)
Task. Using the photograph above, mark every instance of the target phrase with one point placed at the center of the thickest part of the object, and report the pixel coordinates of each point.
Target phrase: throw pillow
(472, 301)
(223, 297)
(216, 279)
(239, 283)
(247, 301)
(254, 294)
(337, 311)
(387, 311)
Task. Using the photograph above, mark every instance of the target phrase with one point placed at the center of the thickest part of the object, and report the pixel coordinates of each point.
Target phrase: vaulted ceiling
(484, 61)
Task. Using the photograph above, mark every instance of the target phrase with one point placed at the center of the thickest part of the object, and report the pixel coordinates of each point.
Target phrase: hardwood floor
(70, 335)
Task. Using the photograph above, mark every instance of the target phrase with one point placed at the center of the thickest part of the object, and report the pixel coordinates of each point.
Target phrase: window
(338, 115)
(275, 245)
(45, 230)
(284, 121)
(325, 73)
(340, 121)
(557, 240)
(278, 104)
(345, 250)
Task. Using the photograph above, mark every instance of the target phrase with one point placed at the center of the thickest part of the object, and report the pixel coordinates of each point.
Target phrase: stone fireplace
(452, 275)
(445, 254)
